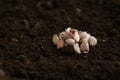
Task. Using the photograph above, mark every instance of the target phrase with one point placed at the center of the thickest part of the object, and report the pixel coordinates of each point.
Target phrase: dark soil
(27, 51)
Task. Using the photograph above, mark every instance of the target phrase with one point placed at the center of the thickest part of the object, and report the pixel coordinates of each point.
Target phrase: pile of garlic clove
(80, 40)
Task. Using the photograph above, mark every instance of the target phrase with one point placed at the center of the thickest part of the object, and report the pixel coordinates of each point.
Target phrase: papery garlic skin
(55, 39)
(84, 47)
(76, 48)
(70, 41)
(92, 41)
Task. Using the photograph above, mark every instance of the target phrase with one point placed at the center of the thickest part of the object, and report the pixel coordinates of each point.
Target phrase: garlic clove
(73, 31)
(92, 41)
(83, 34)
(62, 33)
(55, 39)
(60, 43)
(77, 48)
(68, 29)
(69, 35)
(84, 47)
(76, 36)
(70, 41)
(65, 35)
(85, 39)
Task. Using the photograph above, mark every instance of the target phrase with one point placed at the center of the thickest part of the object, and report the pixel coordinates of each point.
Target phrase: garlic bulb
(55, 39)
(77, 48)
(92, 41)
(70, 41)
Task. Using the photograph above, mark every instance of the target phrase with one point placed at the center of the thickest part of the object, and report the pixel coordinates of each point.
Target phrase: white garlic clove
(92, 41)
(70, 41)
(55, 39)
(88, 36)
(85, 39)
(77, 48)
(76, 36)
(84, 47)
(60, 43)
(83, 34)
(68, 29)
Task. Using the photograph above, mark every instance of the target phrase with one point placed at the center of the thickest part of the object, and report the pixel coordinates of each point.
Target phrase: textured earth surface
(26, 30)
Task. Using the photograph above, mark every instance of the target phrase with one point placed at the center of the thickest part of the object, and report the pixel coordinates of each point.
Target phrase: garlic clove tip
(77, 48)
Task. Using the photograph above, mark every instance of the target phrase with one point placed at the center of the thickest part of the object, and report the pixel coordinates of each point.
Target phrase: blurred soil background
(27, 51)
